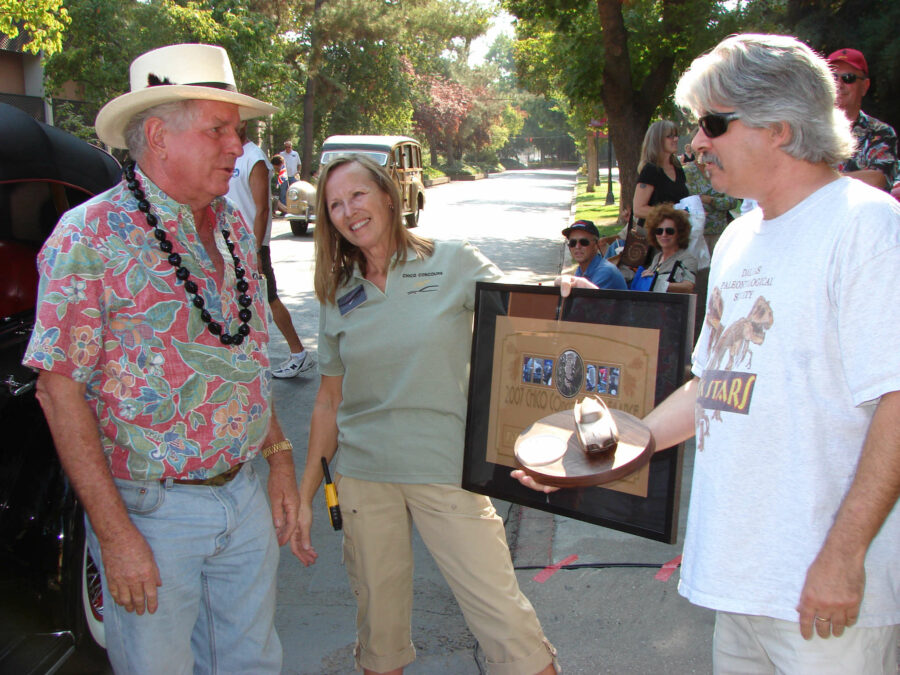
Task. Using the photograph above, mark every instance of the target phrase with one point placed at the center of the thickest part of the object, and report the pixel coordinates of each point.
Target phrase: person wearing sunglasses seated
(584, 245)
(660, 176)
(875, 159)
(669, 230)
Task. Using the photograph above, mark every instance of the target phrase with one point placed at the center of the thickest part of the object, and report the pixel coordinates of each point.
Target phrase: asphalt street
(619, 619)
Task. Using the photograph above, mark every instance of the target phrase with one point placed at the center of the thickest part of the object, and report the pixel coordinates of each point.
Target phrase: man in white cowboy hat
(151, 337)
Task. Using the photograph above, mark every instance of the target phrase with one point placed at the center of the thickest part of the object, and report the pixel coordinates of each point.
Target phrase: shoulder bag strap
(675, 267)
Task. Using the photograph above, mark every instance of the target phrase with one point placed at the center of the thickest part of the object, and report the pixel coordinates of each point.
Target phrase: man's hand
(131, 573)
(530, 482)
(132, 576)
(567, 282)
(301, 541)
(835, 581)
(283, 495)
(831, 595)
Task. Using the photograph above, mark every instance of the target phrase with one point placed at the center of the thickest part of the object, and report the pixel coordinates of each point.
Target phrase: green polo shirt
(404, 356)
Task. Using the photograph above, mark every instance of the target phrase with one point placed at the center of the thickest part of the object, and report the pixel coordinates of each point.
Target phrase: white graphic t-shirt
(801, 338)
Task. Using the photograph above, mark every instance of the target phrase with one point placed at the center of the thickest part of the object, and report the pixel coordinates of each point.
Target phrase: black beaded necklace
(184, 275)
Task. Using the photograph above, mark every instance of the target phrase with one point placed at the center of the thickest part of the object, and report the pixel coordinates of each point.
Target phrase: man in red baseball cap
(875, 158)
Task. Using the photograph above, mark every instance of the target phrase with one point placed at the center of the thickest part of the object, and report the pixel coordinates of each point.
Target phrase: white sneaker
(295, 365)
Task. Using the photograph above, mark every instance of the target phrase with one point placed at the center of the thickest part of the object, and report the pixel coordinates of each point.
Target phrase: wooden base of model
(587, 446)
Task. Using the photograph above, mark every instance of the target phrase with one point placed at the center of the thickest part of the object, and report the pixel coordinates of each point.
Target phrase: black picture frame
(671, 315)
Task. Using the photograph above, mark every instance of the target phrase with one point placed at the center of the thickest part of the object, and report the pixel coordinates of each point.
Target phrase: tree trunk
(629, 110)
(591, 150)
(309, 97)
(309, 127)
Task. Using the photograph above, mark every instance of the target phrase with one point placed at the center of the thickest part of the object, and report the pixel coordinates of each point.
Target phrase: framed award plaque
(535, 354)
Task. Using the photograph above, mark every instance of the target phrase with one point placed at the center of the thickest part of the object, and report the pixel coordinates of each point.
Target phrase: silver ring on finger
(821, 618)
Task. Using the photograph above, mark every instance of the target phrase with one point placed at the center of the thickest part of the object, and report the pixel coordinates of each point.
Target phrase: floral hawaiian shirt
(876, 148)
(717, 212)
(170, 399)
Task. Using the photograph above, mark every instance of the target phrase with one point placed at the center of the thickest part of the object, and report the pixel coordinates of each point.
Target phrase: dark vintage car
(50, 594)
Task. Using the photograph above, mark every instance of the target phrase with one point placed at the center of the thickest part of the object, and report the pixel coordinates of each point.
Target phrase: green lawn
(592, 206)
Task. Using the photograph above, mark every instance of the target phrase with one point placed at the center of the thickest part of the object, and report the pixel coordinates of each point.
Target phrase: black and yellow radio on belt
(331, 499)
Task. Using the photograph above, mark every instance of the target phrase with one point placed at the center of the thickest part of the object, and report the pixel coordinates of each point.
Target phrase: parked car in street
(301, 206)
(50, 594)
(401, 155)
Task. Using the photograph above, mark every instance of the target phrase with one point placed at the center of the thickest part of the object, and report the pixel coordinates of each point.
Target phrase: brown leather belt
(215, 481)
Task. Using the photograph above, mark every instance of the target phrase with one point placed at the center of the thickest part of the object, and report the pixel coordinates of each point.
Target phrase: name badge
(351, 300)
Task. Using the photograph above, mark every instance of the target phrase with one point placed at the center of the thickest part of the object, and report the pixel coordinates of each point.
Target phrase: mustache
(706, 158)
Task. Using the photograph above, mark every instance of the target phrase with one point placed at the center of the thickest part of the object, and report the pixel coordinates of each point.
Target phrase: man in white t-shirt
(249, 190)
(793, 531)
(291, 160)
(793, 528)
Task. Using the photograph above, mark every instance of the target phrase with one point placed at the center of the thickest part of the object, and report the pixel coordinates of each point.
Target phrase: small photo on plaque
(537, 370)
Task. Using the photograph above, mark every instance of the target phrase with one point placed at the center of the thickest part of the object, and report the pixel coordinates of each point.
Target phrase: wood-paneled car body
(400, 155)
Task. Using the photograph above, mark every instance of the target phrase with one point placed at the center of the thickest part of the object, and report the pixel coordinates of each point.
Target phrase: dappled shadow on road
(290, 236)
(513, 205)
(535, 174)
(297, 297)
(528, 259)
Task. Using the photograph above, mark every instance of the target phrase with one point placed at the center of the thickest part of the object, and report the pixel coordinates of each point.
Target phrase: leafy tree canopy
(867, 25)
(338, 66)
(131, 27)
(617, 58)
(45, 21)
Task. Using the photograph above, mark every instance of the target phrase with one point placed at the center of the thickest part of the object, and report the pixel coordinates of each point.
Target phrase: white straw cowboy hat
(175, 73)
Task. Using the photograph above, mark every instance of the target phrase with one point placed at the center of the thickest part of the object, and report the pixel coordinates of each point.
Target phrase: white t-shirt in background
(239, 186)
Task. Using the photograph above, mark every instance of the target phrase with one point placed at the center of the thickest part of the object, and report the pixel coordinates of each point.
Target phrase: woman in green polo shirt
(395, 333)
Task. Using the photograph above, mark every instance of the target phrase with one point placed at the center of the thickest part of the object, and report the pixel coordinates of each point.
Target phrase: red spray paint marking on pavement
(667, 570)
(550, 570)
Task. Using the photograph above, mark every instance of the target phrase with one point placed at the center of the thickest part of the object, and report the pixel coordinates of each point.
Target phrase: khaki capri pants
(465, 536)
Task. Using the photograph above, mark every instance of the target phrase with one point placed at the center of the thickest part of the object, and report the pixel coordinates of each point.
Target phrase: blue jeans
(217, 555)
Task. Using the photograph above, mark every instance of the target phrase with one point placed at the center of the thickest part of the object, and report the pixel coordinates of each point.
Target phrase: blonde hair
(336, 257)
(654, 143)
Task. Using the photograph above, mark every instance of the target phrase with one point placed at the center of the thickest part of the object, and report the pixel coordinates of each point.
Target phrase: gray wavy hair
(771, 79)
(176, 114)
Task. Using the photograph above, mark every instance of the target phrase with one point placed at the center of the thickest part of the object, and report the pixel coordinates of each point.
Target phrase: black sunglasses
(716, 124)
(849, 78)
(665, 230)
(583, 242)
